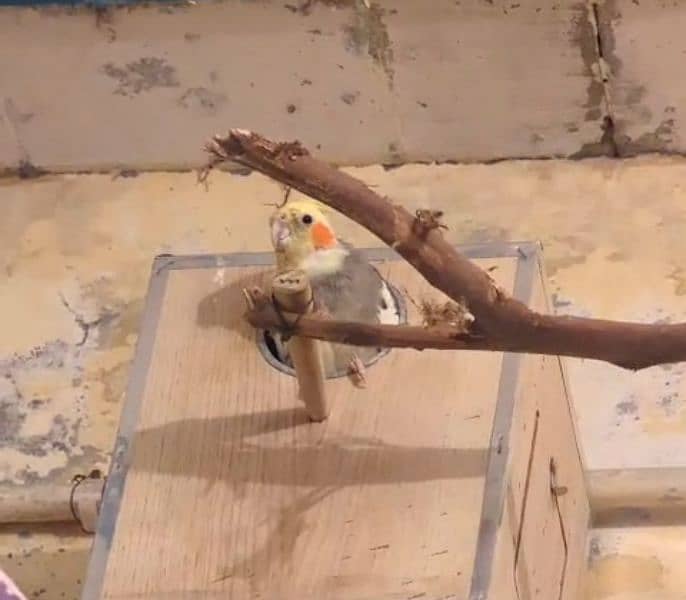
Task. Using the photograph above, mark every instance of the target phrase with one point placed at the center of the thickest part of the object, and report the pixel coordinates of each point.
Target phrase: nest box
(452, 475)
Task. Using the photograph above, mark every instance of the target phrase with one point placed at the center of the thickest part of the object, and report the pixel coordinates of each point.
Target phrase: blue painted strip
(81, 3)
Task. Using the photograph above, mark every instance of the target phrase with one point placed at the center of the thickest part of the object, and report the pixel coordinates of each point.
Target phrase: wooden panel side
(232, 493)
(553, 527)
(502, 584)
(543, 304)
(541, 550)
(520, 449)
(574, 505)
(540, 547)
(556, 461)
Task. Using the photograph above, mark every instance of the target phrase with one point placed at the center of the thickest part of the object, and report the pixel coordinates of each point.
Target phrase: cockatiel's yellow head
(298, 230)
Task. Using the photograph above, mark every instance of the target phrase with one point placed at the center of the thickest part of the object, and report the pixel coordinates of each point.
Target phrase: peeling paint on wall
(42, 398)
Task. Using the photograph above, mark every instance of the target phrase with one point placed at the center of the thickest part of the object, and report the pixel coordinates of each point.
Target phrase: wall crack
(608, 140)
(85, 325)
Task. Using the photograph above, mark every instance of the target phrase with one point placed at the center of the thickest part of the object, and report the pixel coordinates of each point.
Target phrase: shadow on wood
(236, 459)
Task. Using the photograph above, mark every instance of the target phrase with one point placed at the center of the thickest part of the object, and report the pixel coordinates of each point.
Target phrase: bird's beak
(280, 234)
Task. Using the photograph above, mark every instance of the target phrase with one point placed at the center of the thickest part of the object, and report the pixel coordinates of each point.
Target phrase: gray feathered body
(354, 292)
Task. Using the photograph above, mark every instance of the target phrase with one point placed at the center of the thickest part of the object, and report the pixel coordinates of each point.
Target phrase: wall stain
(116, 333)
(626, 407)
(305, 7)
(583, 33)
(367, 34)
(553, 265)
(574, 251)
(595, 43)
(104, 21)
(653, 141)
(42, 407)
(394, 158)
(14, 113)
(559, 302)
(114, 381)
(350, 97)
(605, 146)
(632, 99)
(594, 550)
(174, 6)
(678, 276)
(202, 100)
(617, 256)
(629, 95)
(604, 94)
(27, 170)
(142, 75)
(11, 417)
(45, 394)
(606, 17)
(61, 435)
(616, 573)
(83, 462)
(15, 119)
(480, 235)
(670, 404)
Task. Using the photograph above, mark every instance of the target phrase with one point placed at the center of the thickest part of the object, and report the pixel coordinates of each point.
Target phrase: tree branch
(441, 337)
(501, 322)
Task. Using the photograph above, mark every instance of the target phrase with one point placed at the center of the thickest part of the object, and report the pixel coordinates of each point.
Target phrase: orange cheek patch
(322, 236)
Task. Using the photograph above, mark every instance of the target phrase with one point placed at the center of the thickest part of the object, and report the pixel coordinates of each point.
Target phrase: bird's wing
(351, 293)
(389, 311)
(355, 292)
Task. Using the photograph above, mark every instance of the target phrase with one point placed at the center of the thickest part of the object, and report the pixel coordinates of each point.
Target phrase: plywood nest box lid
(453, 475)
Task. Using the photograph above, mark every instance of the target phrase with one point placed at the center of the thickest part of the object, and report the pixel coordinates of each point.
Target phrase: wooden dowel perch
(501, 322)
(53, 504)
(293, 294)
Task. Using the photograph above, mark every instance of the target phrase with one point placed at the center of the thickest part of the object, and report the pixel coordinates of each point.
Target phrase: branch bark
(422, 338)
(502, 323)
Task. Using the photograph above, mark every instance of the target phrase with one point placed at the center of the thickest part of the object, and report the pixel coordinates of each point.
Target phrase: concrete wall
(644, 47)
(362, 82)
(387, 81)
(384, 81)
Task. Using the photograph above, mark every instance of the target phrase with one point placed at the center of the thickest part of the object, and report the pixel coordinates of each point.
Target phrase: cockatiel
(344, 285)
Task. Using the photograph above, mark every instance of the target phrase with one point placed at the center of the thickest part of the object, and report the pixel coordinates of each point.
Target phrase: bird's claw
(357, 372)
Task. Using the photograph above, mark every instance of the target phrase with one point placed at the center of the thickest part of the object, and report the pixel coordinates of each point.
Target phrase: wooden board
(221, 488)
(540, 545)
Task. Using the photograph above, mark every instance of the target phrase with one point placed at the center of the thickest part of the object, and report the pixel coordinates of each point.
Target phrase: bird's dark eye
(307, 219)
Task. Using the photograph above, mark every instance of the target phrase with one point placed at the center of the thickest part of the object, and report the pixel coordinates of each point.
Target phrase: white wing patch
(389, 314)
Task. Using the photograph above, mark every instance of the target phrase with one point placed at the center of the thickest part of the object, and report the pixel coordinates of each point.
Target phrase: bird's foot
(357, 372)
